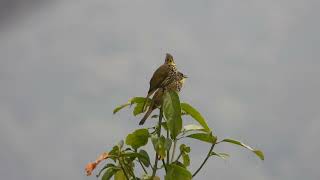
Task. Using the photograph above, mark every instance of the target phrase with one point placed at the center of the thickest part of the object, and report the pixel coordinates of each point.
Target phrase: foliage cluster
(165, 136)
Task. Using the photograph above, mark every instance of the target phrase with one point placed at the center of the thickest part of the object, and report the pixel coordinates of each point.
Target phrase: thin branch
(165, 166)
(178, 157)
(168, 151)
(124, 172)
(144, 169)
(174, 149)
(155, 167)
(129, 169)
(205, 160)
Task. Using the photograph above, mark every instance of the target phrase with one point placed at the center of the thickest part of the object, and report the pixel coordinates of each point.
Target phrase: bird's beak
(184, 76)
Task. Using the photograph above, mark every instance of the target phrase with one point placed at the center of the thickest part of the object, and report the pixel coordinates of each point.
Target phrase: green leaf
(138, 100)
(259, 153)
(138, 138)
(176, 172)
(138, 109)
(120, 176)
(109, 173)
(160, 145)
(134, 100)
(178, 163)
(146, 159)
(184, 148)
(205, 137)
(195, 115)
(167, 144)
(186, 159)
(256, 151)
(114, 152)
(172, 112)
(127, 149)
(117, 109)
(192, 127)
(142, 156)
(221, 155)
(154, 140)
(105, 167)
(155, 116)
(164, 125)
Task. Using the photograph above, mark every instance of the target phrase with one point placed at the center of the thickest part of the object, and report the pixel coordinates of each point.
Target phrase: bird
(162, 76)
(157, 99)
(177, 83)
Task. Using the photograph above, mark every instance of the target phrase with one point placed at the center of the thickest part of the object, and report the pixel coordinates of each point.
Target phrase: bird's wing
(158, 77)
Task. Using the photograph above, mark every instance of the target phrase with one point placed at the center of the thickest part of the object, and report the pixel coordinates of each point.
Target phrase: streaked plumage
(157, 99)
(162, 76)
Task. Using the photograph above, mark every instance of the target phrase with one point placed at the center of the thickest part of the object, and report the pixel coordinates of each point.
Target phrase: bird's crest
(169, 59)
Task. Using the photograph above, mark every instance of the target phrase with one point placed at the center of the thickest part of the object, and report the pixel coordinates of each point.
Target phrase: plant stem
(160, 121)
(178, 157)
(168, 151)
(155, 167)
(174, 149)
(130, 170)
(144, 169)
(124, 172)
(205, 160)
(164, 164)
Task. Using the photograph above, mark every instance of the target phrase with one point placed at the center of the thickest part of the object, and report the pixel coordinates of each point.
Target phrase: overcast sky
(254, 74)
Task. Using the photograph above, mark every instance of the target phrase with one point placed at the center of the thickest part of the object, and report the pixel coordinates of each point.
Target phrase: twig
(124, 172)
(144, 169)
(205, 160)
(130, 170)
(168, 151)
(164, 164)
(174, 149)
(178, 157)
(159, 133)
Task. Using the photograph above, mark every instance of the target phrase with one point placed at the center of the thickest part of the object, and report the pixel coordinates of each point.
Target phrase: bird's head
(181, 77)
(169, 59)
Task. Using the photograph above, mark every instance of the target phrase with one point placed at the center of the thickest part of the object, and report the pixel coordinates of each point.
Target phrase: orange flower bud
(90, 167)
(103, 156)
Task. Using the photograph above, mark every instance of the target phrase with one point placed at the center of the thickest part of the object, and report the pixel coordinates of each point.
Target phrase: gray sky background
(253, 68)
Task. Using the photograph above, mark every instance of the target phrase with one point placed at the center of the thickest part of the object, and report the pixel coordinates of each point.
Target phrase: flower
(92, 165)
(103, 156)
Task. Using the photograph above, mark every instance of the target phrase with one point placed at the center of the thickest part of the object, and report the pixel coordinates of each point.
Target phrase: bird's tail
(145, 102)
(145, 117)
